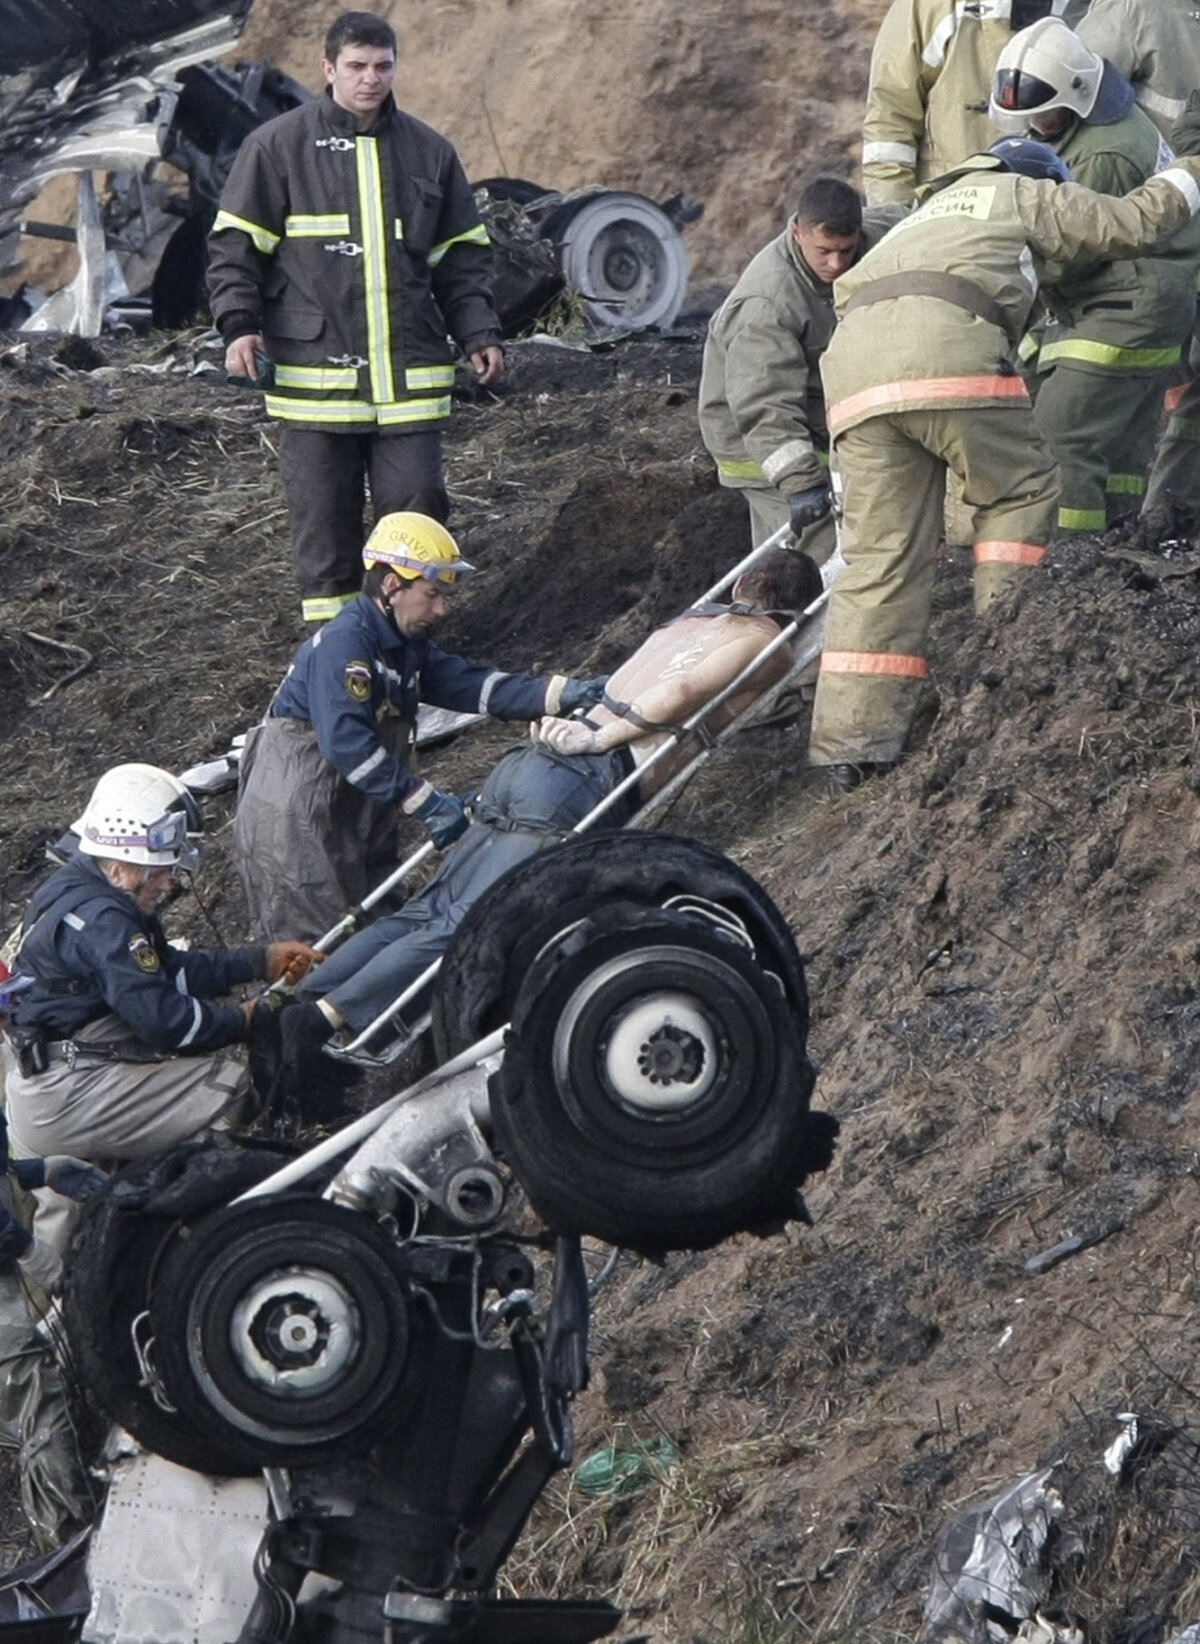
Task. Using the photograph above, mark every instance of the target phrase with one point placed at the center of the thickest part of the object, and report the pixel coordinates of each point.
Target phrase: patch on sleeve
(357, 680)
(142, 950)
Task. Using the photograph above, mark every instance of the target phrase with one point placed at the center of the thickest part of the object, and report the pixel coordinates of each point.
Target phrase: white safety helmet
(1044, 67)
(141, 814)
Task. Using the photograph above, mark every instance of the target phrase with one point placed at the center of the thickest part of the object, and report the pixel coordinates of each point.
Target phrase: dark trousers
(533, 798)
(325, 477)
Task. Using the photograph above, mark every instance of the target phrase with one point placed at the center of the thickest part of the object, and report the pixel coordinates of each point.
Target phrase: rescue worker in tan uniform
(1117, 338)
(931, 71)
(1156, 45)
(762, 414)
(921, 378)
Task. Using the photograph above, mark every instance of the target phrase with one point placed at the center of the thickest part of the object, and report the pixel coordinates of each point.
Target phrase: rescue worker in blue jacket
(326, 773)
(116, 1044)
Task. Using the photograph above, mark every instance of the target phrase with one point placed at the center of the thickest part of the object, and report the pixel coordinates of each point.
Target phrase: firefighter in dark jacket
(326, 773)
(346, 246)
(115, 1047)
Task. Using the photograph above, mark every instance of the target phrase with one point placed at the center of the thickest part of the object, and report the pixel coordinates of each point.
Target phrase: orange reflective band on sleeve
(893, 663)
(1009, 553)
(890, 395)
(1173, 396)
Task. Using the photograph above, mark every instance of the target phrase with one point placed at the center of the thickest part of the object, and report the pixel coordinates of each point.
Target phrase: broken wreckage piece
(388, 1344)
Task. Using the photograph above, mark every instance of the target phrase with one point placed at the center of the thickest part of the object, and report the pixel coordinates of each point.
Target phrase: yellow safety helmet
(414, 545)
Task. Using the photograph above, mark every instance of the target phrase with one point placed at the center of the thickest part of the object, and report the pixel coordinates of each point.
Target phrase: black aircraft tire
(110, 1272)
(502, 933)
(654, 1089)
(282, 1328)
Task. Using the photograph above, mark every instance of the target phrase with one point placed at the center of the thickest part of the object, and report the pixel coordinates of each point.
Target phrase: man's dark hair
(372, 582)
(782, 580)
(358, 28)
(829, 203)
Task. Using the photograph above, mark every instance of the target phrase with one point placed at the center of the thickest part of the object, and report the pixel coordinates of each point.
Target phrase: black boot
(845, 778)
(265, 1049)
(312, 1086)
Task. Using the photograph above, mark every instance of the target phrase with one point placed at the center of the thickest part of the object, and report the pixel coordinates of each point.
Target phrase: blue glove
(73, 1178)
(579, 693)
(15, 1241)
(807, 507)
(444, 814)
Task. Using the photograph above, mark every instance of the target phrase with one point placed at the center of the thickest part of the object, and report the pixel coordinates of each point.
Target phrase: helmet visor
(1016, 92)
(452, 572)
(168, 832)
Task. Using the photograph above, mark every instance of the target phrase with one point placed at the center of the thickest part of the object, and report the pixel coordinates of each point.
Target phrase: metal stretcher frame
(355, 1051)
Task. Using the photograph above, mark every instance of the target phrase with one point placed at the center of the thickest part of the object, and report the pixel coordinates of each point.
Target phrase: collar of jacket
(974, 164)
(381, 627)
(342, 120)
(82, 873)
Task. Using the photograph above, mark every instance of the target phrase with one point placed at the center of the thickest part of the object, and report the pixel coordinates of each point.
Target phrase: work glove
(1185, 133)
(73, 1178)
(581, 693)
(567, 736)
(289, 961)
(805, 508)
(444, 814)
(41, 1267)
(564, 694)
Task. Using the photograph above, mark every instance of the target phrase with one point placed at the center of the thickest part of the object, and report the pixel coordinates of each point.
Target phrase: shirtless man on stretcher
(539, 792)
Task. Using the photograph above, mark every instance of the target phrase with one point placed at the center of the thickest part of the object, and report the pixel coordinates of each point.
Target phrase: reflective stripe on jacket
(354, 254)
(986, 228)
(1156, 46)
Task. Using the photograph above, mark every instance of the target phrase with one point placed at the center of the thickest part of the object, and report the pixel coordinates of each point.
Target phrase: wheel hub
(659, 1053)
(622, 267)
(671, 1054)
(295, 1329)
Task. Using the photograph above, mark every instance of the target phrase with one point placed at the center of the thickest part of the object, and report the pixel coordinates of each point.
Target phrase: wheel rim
(659, 1052)
(663, 1048)
(292, 1353)
(625, 258)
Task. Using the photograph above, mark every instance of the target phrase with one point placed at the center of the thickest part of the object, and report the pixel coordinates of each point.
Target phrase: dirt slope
(733, 104)
(1002, 947)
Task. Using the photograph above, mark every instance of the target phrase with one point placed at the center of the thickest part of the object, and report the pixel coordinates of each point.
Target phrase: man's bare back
(668, 678)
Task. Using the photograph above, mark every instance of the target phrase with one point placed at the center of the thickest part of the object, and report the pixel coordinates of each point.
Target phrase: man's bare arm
(672, 700)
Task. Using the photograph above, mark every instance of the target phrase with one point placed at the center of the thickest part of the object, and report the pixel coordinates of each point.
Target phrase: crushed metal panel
(91, 85)
(990, 1558)
(173, 1559)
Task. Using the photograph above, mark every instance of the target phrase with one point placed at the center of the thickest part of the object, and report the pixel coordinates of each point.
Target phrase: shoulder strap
(928, 282)
(625, 710)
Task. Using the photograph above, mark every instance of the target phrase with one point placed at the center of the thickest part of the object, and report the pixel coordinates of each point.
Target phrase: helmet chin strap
(389, 602)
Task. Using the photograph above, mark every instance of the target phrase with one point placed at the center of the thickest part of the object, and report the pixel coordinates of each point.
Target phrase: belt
(69, 1051)
(949, 288)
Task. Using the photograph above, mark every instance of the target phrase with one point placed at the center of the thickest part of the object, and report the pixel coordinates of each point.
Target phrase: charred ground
(1002, 949)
